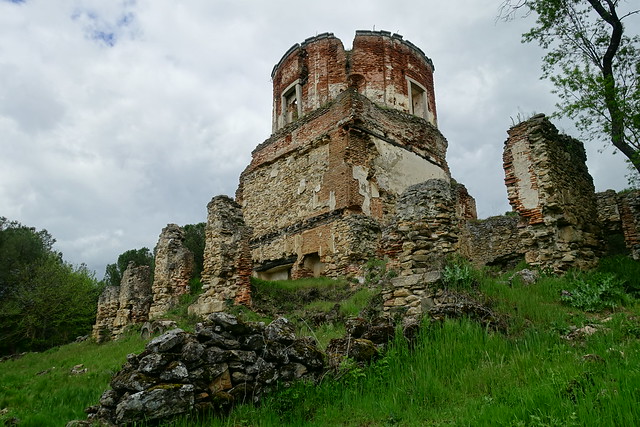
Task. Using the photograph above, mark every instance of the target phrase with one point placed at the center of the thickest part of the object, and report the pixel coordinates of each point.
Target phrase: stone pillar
(227, 259)
(108, 305)
(134, 299)
(174, 267)
(549, 185)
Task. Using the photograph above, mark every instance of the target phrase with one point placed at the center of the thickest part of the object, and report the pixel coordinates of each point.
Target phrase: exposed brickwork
(549, 186)
(381, 66)
(174, 266)
(465, 204)
(630, 216)
(306, 184)
(227, 259)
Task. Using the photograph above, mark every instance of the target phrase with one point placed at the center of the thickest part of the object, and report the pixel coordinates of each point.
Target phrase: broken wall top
(383, 67)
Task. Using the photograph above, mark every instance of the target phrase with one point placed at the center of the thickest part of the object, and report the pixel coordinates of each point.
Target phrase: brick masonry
(549, 186)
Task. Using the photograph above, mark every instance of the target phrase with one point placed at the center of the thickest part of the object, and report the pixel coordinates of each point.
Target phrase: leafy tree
(194, 238)
(45, 301)
(113, 272)
(593, 64)
(20, 246)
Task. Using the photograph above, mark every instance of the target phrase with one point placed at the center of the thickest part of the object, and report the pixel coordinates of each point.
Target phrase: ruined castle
(356, 169)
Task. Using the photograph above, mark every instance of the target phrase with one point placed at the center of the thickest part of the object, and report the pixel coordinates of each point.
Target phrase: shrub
(626, 269)
(595, 292)
(458, 274)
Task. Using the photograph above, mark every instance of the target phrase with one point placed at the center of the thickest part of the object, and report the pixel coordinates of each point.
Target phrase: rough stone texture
(352, 131)
(223, 363)
(630, 216)
(619, 214)
(108, 304)
(424, 229)
(227, 259)
(174, 266)
(124, 305)
(549, 186)
(465, 203)
(411, 296)
(135, 298)
(492, 241)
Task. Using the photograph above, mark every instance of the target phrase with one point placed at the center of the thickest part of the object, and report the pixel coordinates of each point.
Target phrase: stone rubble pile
(226, 361)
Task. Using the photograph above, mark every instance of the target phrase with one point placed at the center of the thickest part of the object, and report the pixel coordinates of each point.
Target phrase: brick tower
(352, 130)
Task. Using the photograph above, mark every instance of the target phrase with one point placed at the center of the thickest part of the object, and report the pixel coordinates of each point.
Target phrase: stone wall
(108, 304)
(549, 185)
(425, 228)
(227, 259)
(492, 241)
(348, 158)
(225, 362)
(174, 267)
(619, 214)
(124, 305)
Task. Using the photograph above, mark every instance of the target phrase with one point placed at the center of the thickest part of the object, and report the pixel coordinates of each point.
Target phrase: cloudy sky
(118, 117)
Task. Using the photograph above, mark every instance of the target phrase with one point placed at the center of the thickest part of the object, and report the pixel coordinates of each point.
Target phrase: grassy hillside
(570, 356)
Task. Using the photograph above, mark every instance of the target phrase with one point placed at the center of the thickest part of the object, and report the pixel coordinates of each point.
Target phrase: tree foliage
(594, 64)
(44, 301)
(194, 239)
(114, 272)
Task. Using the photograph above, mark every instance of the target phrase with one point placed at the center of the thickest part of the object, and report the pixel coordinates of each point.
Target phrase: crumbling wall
(382, 66)
(425, 228)
(619, 214)
(549, 185)
(134, 299)
(348, 158)
(227, 259)
(492, 241)
(225, 362)
(124, 305)
(108, 304)
(174, 266)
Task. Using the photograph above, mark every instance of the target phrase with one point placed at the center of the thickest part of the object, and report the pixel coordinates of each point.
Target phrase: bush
(626, 269)
(458, 274)
(595, 292)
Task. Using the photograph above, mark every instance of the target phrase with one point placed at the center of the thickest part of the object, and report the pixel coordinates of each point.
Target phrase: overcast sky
(118, 117)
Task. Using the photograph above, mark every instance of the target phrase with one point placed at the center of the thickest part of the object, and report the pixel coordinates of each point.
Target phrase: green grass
(39, 390)
(457, 373)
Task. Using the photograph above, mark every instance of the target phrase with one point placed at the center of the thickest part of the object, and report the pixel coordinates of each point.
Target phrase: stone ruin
(138, 299)
(174, 266)
(224, 362)
(356, 169)
(121, 306)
